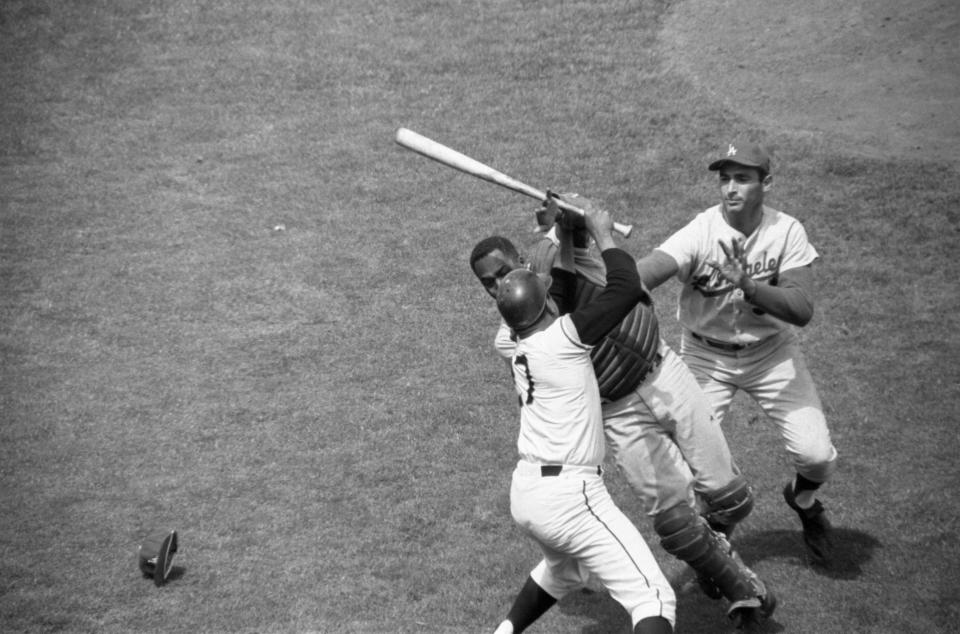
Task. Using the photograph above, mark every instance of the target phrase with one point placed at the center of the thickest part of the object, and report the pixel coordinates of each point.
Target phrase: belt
(655, 363)
(549, 470)
(723, 345)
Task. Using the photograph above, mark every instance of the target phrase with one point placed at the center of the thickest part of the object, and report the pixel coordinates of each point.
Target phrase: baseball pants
(581, 533)
(774, 373)
(666, 441)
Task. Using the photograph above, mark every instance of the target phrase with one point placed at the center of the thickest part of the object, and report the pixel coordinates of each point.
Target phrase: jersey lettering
(713, 284)
(521, 359)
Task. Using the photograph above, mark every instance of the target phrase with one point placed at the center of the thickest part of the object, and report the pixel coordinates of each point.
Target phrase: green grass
(318, 411)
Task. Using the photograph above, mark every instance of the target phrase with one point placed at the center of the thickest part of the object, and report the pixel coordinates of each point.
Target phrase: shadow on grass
(852, 549)
(698, 613)
(695, 612)
(596, 605)
(176, 572)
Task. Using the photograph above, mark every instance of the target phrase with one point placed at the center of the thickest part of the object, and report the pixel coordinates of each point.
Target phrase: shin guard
(686, 535)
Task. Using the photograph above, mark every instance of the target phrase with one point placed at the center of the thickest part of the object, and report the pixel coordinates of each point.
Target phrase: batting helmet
(522, 298)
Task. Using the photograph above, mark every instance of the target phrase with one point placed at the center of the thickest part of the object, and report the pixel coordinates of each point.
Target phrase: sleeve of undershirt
(791, 300)
(622, 292)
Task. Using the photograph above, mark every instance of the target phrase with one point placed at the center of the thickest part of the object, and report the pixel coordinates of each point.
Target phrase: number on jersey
(521, 359)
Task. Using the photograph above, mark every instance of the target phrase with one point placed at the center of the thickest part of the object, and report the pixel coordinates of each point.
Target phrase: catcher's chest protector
(628, 353)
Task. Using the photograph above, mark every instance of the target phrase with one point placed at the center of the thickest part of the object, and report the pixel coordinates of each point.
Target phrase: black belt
(721, 345)
(548, 470)
(657, 360)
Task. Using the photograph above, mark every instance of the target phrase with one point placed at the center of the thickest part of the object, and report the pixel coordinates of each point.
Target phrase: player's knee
(730, 504)
(817, 466)
(674, 519)
(682, 532)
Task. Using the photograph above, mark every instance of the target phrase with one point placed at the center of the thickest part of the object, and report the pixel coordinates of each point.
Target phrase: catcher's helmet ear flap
(522, 298)
(155, 555)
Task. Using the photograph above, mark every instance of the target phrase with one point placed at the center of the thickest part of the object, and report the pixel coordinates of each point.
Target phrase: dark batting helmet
(522, 298)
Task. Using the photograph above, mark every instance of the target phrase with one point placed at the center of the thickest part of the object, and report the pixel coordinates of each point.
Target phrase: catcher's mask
(156, 555)
(522, 298)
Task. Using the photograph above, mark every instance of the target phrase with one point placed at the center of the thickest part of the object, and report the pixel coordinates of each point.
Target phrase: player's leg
(528, 606)
(646, 454)
(653, 625)
(649, 458)
(686, 535)
(717, 376)
(784, 389)
(723, 510)
(728, 506)
(615, 553)
(686, 447)
(554, 577)
(539, 506)
(680, 404)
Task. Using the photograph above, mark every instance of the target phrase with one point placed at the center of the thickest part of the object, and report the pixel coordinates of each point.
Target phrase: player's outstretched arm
(791, 300)
(656, 268)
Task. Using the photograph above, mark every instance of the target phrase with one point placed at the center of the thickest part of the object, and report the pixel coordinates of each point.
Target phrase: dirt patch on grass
(879, 76)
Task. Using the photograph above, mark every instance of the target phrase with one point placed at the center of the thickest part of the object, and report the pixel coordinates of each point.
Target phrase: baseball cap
(747, 154)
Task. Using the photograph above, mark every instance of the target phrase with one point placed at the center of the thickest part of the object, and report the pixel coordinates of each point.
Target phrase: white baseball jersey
(561, 420)
(504, 341)
(712, 307)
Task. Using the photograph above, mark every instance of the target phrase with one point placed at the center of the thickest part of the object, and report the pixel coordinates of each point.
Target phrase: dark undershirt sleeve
(790, 300)
(618, 298)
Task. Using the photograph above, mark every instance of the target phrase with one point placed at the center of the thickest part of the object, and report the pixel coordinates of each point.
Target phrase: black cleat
(816, 526)
(753, 609)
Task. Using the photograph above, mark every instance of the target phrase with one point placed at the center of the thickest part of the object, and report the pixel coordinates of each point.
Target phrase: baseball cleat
(816, 526)
(752, 611)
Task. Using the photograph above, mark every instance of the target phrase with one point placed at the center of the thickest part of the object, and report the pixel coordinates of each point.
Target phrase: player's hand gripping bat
(451, 158)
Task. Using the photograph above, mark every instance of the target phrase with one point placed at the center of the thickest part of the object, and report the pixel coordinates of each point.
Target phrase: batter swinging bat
(451, 158)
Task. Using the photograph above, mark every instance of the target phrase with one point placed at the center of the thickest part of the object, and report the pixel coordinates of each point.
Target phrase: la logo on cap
(747, 154)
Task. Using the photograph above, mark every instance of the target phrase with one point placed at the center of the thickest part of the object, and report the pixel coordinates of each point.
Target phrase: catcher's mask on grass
(156, 555)
(522, 298)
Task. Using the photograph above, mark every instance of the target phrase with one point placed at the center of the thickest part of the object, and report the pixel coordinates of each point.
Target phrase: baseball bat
(451, 158)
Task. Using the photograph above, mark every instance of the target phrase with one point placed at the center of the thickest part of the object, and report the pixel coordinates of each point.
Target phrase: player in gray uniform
(659, 425)
(557, 494)
(746, 274)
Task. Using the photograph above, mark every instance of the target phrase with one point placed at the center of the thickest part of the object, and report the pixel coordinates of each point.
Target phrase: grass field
(232, 306)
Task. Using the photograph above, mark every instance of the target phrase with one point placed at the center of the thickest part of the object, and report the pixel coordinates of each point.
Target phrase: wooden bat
(451, 158)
